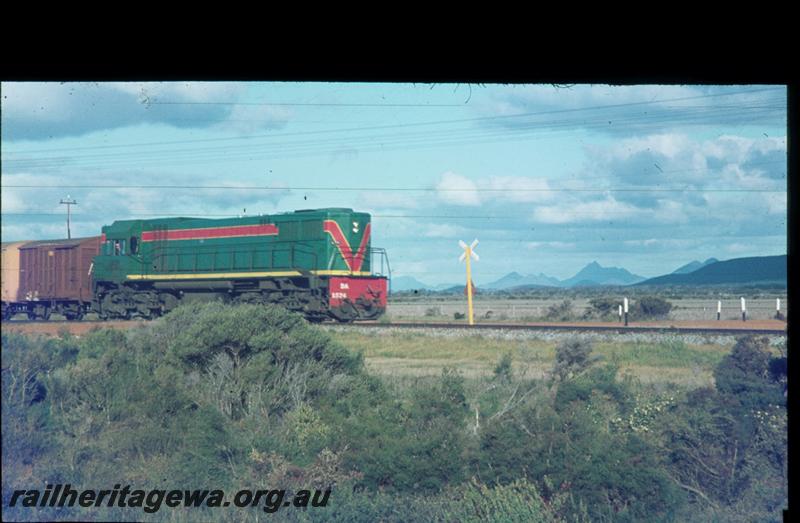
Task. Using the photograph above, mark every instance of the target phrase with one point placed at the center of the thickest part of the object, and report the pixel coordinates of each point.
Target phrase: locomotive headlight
(355, 227)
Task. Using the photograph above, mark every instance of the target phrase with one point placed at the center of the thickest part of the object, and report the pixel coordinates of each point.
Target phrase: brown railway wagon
(55, 275)
(10, 271)
(57, 269)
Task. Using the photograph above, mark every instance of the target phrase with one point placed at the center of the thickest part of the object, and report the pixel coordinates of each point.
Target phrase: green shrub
(651, 307)
(602, 308)
(414, 445)
(610, 474)
(745, 377)
(518, 502)
(433, 311)
(503, 371)
(572, 356)
(559, 311)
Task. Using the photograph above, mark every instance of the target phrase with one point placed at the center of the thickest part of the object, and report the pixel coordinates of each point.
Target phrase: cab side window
(134, 245)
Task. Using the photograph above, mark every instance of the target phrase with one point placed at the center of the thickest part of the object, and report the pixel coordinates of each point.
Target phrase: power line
(394, 189)
(415, 124)
(363, 144)
(448, 134)
(298, 150)
(309, 104)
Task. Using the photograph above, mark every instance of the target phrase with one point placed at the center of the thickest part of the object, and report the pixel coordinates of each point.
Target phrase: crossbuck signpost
(466, 255)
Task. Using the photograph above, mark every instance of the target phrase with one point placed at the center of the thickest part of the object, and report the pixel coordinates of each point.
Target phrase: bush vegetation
(559, 311)
(602, 308)
(651, 308)
(213, 396)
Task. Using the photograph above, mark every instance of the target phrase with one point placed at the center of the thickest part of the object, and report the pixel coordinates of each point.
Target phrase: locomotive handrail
(213, 250)
(383, 255)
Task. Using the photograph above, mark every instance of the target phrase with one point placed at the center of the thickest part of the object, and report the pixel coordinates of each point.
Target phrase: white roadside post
(466, 255)
(719, 309)
(625, 302)
(620, 313)
(744, 311)
(778, 308)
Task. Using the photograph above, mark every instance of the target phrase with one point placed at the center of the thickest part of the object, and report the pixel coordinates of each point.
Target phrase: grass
(674, 353)
(416, 355)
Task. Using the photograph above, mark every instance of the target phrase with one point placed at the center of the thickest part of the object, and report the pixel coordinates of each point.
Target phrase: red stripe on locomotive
(354, 261)
(209, 233)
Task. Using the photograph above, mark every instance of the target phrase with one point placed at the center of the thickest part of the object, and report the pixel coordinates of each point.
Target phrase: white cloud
(739, 248)
(591, 211)
(518, 189)
(246, 119)
(776, 203)
(516, 99)
(458, 190)
(552, 245)
(12, 201)
(39, 111)
(673, 212)
(443, 231)
(179, 91)
(389, 202)
(632, 110)
(669, 145)
(663, 243)
(108, 204)
(40, 231)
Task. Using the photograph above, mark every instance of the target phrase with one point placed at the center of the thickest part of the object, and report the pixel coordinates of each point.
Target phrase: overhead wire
(428, 123)
(368, 143)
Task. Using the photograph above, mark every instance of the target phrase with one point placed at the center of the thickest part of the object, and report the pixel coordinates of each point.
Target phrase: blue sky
(547, 177)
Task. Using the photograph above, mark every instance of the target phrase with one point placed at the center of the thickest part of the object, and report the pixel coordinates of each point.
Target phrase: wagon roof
(73, 242)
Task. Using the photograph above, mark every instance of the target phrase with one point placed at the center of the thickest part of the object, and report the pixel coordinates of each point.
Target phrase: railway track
(758, 327)
(611, 328)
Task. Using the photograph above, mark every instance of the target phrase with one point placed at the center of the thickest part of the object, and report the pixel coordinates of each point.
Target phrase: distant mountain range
(516, 279)
(758, 269)
(409, 283)
(693, 266)
(763, 269)
(594, 274)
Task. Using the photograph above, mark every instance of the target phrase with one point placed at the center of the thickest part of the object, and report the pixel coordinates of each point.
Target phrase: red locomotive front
(361, 298)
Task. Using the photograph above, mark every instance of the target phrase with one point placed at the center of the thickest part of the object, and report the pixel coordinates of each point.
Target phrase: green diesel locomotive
(318, 262)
